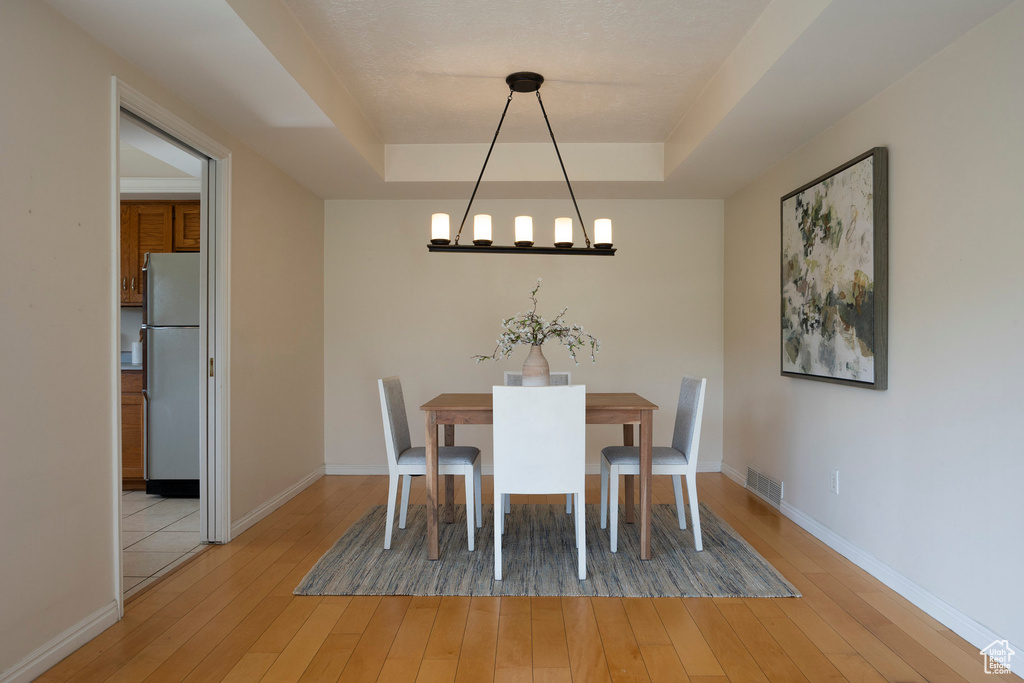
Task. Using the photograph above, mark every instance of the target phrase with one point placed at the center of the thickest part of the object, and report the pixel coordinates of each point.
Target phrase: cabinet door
(131, 441)
(129, 251)
(186, 226)
(156, 229)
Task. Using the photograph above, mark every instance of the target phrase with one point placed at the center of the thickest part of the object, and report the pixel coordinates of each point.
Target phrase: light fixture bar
(508, 249)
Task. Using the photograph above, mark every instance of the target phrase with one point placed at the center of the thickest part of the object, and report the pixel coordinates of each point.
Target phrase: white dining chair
(540, 448)
(558, 379)
(407, 462)
(679, 460)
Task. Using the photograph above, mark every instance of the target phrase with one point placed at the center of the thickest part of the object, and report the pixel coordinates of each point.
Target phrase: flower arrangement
(530, 328)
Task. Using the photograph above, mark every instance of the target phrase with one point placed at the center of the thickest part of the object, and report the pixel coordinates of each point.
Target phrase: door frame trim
(216, 233)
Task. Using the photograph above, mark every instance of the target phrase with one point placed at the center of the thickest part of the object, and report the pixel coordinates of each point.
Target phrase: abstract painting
(835, 275)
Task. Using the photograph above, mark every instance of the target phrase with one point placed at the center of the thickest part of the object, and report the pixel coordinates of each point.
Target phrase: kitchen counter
(126, 363)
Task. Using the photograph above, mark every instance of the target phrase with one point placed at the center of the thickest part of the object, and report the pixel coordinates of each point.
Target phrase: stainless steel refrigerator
(172, 373)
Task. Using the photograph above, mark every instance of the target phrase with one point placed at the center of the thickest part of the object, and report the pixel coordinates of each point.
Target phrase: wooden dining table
(627, 409)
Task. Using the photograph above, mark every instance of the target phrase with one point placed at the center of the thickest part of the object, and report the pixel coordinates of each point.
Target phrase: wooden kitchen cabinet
(153, 227)
(186, 226)
(132, 431)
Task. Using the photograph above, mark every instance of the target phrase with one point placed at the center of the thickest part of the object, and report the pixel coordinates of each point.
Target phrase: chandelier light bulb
(563, 233)
(440, 232)
(482, 229)
(603, 233)
(524, 231)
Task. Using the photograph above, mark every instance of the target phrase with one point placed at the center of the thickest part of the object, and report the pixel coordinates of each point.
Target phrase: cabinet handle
(133, 284)
(124, 284)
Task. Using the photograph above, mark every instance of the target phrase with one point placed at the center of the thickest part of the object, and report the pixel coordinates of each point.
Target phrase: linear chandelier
(440, 230)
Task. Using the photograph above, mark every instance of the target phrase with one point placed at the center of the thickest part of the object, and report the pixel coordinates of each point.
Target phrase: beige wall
(277, 334)
(58, 333)
(931, 468)
(393, 308)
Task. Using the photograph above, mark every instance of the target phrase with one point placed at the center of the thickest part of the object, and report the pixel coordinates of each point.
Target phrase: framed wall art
(835, 275)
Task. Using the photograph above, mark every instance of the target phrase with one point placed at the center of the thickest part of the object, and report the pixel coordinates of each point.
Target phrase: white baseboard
(974, 633)
(277, 501)
(485, 469)
(335, 468)
(734, 474)
(60, 647)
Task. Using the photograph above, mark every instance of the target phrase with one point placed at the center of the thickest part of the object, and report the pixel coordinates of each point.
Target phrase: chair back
(689, 413)
(540, 439)
(396, 424)
(558, 379)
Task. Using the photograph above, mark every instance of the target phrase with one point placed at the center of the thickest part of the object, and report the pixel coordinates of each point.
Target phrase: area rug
(539, 557)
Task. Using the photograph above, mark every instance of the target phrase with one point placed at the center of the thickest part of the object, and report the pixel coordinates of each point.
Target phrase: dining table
(627, 409)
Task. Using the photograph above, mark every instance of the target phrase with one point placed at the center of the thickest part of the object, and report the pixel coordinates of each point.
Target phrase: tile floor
(157, 534)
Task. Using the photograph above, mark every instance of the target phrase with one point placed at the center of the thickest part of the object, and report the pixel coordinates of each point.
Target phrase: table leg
(449, 479)
(646, 462)
(433, 551)
(627, 440)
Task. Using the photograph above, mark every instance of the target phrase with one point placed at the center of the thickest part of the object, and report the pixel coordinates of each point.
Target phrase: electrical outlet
(834, 482)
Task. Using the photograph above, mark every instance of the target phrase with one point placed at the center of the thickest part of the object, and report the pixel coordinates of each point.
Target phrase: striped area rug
(539, 557)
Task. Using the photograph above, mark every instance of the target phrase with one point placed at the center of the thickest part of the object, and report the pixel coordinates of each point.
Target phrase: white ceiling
(349, 97)
(134, 163)
(432, 71)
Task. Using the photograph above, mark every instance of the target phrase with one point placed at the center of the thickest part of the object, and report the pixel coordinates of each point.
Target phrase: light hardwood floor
(230, 615)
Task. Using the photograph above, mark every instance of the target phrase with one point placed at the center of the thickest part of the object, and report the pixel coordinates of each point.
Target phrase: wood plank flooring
(229, 615)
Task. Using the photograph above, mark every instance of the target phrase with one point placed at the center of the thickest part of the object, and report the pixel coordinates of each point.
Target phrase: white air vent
(768, 488)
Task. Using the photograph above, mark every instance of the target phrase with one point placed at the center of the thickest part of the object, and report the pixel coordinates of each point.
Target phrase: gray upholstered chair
(407, 462)
(679, 460)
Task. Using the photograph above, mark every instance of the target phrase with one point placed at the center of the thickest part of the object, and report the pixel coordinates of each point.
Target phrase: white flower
(530, 328)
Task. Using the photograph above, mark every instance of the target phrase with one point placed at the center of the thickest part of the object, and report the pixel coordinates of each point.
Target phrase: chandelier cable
(486, 159)
(511, 92)
(566, 175)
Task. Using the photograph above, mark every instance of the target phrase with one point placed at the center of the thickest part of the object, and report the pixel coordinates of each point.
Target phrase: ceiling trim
(275, 26)
(525, 162)
(782, 22)
(160, 185)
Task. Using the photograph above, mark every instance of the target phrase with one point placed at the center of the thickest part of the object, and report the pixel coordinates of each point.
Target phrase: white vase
(535, 369)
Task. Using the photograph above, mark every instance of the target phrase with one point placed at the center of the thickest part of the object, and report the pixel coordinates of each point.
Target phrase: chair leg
(470, 508)
(604, 493)
(691, 488)
(575, 514)
(390, 525)
(568, 503)
(479, 496)
(499, 523)
(505, 510)
(404, 510)
(581, 538)
(677, 488)
(613, 506)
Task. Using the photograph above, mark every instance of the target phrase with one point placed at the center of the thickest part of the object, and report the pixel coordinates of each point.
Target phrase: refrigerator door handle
(170, 327)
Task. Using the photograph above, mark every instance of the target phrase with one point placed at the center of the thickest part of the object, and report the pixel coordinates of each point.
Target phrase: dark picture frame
(834, 269)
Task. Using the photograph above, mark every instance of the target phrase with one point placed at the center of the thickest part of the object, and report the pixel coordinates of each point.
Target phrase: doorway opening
(170, 198)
